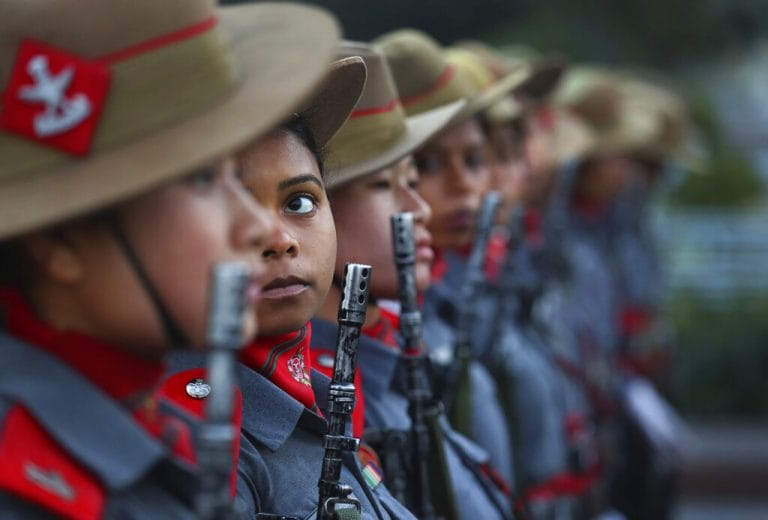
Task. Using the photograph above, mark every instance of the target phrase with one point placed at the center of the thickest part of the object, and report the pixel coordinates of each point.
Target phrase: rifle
(217, 434)
(505, 308)
(341, 397)
(421, 406)
(456, 384)
(557, 223)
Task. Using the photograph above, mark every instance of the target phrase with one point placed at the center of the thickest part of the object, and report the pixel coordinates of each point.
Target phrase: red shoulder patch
(187, 390)
(322, 361)
(38, 470)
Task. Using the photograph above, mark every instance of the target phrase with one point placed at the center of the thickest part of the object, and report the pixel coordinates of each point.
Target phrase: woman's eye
(427, 164)
(203, 178)
(474, 160)
(301, 204)
(381, 184)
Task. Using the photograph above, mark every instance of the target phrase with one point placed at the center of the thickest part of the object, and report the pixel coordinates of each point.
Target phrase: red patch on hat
(54, 98)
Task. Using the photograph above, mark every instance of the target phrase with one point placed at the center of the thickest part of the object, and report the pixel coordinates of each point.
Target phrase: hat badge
(55, 97)
(61, 113)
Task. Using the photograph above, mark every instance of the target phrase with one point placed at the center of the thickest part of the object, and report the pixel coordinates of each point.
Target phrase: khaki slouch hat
(426, 80)
(378, 133)
(105, 100)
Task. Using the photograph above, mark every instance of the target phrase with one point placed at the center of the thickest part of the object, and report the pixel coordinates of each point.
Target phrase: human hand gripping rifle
(216, 458)
(456, 388)
(335, 502)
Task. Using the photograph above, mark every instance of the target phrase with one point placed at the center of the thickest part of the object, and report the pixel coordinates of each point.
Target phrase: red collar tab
(589, 208)
(495, 255)
(123, 376)
(439, 266)
(285, 360)
(533, 226)
(55, 98)
(36, 469)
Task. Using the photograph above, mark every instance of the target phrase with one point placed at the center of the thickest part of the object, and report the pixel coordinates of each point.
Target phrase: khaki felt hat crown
(105, 100)
(676, 138)
(378, 133)
(547, 70)
(615, 122)
(425, 79)
(482, 78)
(543, 80)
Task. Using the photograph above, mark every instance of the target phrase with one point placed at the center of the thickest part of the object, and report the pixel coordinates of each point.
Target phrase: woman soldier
(454, 174)
(118, 192)
(548, 414)
(372, 176)
(283, 423)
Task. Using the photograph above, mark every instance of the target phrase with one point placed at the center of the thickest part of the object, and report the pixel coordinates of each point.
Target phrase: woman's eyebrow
(299, 179)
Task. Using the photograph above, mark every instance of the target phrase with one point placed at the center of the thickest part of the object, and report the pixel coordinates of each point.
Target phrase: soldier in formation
(443, 298)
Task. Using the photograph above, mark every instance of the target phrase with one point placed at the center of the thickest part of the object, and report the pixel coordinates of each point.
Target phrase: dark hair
(297, 125)
(518, 125)
(17, 269)
(15, 265)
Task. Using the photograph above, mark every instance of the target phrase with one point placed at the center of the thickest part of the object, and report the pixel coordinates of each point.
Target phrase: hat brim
(419, 129)
(331, 105)
(528, 94)
(493, 94)
(542, 82)
(283, 51)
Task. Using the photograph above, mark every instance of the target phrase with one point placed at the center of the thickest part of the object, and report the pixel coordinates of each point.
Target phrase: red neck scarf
(590, 209)
(439, 266)
(533, 227)
(123, 376)
(495, 254)
(384, 328)
(285, 360)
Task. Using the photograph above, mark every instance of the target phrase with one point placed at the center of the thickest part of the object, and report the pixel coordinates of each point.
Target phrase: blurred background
(713, 227)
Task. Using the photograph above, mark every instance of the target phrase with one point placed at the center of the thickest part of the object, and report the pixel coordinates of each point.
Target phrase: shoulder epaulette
(35, 468)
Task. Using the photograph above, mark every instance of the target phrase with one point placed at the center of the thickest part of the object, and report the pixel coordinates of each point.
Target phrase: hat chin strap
(171, 329)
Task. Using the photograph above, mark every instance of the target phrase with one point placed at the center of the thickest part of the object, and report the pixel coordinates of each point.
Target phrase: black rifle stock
(419, 390)
(229, 281)
(341, 397)
(456, 391)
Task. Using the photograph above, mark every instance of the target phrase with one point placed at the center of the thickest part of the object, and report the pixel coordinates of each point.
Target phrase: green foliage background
(722, 358)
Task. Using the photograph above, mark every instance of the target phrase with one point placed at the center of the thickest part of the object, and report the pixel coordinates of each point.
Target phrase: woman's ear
(55, 257)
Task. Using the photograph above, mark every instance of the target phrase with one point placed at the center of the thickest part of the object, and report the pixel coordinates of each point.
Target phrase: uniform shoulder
(37, 470)
(184, 395)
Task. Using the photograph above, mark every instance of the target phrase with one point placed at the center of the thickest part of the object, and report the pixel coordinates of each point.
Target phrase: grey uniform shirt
(386, 408)
(281, 452)
(489, 426)
(139, 478)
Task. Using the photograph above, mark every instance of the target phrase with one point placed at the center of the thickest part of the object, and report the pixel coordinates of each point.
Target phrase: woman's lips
(460, 220)
(284, 287)
(424, 251)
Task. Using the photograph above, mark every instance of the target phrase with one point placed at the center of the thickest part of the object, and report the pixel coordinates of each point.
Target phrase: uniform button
(198, 389)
